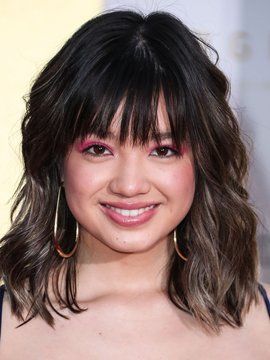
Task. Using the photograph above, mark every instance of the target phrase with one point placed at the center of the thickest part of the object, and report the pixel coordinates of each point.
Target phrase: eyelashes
(99, 150)
(167, 149)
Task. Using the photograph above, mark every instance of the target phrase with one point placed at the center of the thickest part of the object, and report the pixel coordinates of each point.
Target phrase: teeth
(134, 212)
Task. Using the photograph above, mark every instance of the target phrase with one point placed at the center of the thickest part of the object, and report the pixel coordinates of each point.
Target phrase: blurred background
(31, 32)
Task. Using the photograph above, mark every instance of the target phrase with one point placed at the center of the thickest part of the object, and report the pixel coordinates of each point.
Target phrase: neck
(102, 270)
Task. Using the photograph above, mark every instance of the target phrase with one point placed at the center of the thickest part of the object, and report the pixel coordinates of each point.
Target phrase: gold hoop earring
(176, 246)
(56, 245)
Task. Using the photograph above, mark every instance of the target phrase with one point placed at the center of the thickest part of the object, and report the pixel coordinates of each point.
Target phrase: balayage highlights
(127, 59)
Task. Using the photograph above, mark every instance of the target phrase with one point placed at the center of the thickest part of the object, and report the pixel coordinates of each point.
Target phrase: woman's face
(101, 173)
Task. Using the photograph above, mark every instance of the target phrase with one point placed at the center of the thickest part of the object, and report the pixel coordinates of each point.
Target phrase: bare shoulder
(262, 314)
(267, 288)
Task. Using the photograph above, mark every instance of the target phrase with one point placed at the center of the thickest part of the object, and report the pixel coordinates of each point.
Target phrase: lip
(129, 221)
(130, 206)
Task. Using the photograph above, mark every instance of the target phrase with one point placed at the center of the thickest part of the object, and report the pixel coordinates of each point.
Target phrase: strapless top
(260, 286)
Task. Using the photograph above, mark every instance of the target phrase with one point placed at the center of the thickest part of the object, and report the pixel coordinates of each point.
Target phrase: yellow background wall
(31, 32)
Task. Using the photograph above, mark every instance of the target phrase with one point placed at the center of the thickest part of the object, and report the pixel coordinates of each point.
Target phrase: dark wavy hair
(127, 56)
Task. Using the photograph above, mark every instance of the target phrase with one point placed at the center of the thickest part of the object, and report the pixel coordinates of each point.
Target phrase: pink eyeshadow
(184, 149)
(80, 146)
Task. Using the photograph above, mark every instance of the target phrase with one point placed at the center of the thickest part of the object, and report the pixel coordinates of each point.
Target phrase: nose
(130, 178)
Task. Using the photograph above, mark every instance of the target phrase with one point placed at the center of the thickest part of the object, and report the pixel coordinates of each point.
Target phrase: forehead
(163, 123)
(134, 119)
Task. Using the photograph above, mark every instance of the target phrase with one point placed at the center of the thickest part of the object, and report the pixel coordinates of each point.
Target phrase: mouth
(127, 212)
(130, 217)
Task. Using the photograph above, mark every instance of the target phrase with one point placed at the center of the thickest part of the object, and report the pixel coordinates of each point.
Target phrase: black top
(2, 289)
(261, 289)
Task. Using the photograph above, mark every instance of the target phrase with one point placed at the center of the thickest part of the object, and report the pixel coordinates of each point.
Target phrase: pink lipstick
(128, 218)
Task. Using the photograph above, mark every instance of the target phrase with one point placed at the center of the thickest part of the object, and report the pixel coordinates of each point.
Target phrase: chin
(129, 246)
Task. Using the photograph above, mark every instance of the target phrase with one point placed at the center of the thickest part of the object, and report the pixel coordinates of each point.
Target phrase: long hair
(130, 58)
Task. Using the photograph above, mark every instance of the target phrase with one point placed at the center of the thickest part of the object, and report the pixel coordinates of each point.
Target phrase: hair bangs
(127, 93)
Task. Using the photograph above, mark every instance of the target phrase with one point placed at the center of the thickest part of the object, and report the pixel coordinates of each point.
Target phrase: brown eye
(165, 151)
(162, 151)
(96, 150)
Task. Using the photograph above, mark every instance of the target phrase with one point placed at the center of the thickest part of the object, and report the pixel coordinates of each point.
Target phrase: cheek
(76, 176)
(80, 180)
(181, 184)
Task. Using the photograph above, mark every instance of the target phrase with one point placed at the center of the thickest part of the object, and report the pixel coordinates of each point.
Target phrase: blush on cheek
(80, 182)
(76, 173)
(185, 177)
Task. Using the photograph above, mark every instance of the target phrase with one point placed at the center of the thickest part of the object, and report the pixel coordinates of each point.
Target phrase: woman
(132, 234)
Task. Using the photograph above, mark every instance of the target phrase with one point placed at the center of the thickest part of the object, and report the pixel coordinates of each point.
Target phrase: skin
(113, 258)
(120, 277)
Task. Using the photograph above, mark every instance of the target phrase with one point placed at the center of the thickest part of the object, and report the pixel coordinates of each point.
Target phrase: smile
(129, 217)
(129, 213)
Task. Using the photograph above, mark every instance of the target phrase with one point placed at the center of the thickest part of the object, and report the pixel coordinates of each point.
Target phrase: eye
(96, 150)
(165, 151)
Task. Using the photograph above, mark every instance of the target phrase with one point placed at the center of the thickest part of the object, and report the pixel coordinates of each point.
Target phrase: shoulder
(257, 316)
(256, 323)
(264, 304)
(267, 288)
